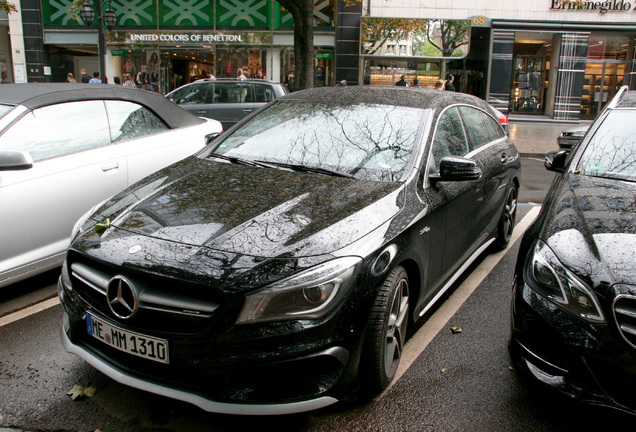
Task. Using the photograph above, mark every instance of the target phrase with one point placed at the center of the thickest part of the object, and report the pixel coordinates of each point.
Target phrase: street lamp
(91, 10)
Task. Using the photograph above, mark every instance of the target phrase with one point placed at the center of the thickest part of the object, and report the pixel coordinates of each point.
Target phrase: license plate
(133, 343)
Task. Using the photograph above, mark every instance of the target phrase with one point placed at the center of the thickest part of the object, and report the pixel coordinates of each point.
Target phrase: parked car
(574, 292)
(503, 119)
(226, 100)
(65, 148)
(570, 137)
(278, 271)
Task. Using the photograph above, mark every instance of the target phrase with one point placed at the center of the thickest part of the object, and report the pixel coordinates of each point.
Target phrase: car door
(195, 98)
(232, 101)
(74, 168)
(454, 205)
(147, 141)
(494, 153)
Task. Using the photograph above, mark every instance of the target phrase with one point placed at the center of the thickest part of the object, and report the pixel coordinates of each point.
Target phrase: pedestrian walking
(96, 79)
(70, 78)
(449, 82)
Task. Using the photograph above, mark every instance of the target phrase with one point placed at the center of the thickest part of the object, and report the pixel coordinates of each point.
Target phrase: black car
(278, 272)
(569, 138)
(574, 295)
(226, 100)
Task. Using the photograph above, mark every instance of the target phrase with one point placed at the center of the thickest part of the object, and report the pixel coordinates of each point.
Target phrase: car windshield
(372, 142)
(4, 109)
(611, 151)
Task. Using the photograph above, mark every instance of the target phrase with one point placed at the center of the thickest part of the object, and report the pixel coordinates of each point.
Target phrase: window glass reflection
(612, 150)
(368, 141)
(129, 120)
(59, 130)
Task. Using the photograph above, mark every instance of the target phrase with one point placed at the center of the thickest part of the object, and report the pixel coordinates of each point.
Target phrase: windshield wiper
(239, 161)
(311, 169)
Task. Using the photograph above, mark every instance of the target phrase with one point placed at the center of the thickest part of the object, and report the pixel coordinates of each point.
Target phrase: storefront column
(571, 74)
(501, 69)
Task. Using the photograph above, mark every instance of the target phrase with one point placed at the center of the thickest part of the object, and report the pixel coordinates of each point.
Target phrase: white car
(65, 148)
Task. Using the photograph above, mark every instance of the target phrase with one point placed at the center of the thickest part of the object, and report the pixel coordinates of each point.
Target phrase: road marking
(31, 310)
(420, 340)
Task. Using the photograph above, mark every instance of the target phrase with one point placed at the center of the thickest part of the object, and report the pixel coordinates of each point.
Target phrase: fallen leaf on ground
(456, 329)
(78, 392)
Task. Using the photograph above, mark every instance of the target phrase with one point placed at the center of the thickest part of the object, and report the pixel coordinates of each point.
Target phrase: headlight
(306, 295)
(558, 284)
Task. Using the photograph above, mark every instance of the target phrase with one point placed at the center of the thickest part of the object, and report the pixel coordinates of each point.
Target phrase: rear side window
(129, 120)
(59, 130)
(481, 128)
(263, 93)
(450, 137)
(232, 92)
(190, 94)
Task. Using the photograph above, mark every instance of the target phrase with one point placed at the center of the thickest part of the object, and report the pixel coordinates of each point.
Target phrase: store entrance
(602, 81)
(528, 85)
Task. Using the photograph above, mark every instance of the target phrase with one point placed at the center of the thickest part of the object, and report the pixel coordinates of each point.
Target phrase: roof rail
(617, 97)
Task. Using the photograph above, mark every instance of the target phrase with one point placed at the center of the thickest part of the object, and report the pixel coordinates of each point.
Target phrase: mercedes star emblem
(122, 298)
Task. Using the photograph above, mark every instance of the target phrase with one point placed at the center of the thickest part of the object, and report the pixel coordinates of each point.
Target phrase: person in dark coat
(401, 82)
(449, 82)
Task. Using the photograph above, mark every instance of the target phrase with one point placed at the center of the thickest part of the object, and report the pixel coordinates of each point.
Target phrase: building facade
(163, 44)
(562, 59)
(558, 58)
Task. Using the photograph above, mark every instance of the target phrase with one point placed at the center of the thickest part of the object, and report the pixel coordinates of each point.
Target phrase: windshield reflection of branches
(369, 141)
(612, 151)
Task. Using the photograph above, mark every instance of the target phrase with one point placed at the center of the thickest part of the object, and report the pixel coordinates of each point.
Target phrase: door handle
(110, 166)
(201, 112)
(247, 111)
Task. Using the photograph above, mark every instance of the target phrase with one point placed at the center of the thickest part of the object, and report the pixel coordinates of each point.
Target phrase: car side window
(481, 128)
(58, 130)
(263, 93)
(232, 92)
(191, 94)
(450, 137)
(129, 120)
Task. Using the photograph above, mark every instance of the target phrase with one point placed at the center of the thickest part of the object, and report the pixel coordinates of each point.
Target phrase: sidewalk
(536, 136)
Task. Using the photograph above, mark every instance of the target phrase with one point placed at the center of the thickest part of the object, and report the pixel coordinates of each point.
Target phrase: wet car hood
(592, 228)
(250, 210)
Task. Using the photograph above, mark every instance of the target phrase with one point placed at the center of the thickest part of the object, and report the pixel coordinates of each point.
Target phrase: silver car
(226, 100)
(66, 147)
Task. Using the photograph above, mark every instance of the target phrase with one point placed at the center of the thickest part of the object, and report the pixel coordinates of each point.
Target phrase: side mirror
(15, 160)
(211, 137)
(453, 168)
(555, 161)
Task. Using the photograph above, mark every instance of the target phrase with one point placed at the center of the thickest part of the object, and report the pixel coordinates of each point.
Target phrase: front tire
(507, 221)
(386, 332)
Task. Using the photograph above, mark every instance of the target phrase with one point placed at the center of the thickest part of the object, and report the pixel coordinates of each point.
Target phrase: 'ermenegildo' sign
(584, 5)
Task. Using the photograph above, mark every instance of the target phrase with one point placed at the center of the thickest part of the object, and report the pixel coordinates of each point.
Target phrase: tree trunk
(303, 13)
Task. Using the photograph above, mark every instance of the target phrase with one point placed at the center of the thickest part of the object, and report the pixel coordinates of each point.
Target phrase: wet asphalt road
(460, 382)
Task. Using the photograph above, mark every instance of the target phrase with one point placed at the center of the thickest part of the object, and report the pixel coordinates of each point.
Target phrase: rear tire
(386, 332)
(507, 222)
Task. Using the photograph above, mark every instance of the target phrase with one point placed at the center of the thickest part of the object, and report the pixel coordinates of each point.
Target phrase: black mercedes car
(574, 295)
(277, 271)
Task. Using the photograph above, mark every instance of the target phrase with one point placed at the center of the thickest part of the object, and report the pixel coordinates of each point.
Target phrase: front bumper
(588, 362)
(258, 382)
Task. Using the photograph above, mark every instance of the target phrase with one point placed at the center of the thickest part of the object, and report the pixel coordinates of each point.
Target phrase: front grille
(625, 315)
(168, 306)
